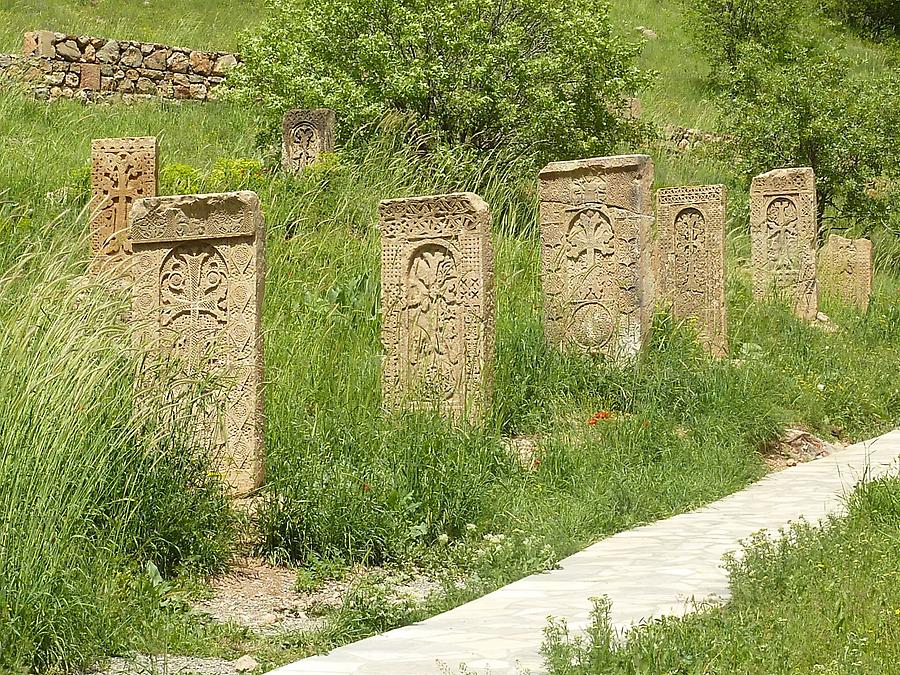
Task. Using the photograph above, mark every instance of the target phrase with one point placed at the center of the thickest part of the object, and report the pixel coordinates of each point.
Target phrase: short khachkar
(122, 170)
(197, 299)
(691, 281)
(596, 254)
(437, 298)
(845, 270)
(306, 134)
(783, 238)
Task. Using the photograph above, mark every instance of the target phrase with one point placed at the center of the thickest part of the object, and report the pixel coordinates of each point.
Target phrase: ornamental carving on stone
(306, 134)
(437, 303)
(691, 279)
(845, 270)
(197, 300)
(122, 170)
(596, 254)
(783, 229)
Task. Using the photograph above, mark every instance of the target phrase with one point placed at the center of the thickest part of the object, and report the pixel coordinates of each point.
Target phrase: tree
(544, 78)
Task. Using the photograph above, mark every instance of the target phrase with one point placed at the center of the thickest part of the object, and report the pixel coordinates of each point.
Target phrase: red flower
(598, 416)
(537, 461)
(366, 487)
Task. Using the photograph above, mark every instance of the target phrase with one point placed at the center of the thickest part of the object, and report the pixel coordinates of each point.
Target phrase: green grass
(180, 23)
(817, 600)
(347, 483)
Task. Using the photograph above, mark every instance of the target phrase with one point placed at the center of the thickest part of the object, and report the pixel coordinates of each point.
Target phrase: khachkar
(306, 134)
(122, 170)
(845, 270)
(437, 298)
(596, 223)
(691, 281)
(783, 238)
(197, 299)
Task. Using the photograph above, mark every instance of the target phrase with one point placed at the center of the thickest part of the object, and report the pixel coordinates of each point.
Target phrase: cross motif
(125, 184)
(590, 234)
(782, 223)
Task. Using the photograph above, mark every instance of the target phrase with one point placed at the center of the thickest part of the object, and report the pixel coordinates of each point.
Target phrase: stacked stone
(66, 65)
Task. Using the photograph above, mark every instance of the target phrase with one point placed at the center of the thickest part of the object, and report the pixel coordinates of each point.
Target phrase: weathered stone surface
(200, 63)
(157, 60)
(224, 64)
(109, 52)
(783, 231)
(122, 170)
(68, 50)
(131, 57)
(437, 299)
(90, 76)
(596, 223)
(845, 270)
(306, 134)
(178, 62)
(199, 269)
(145, 86)
(691, 281)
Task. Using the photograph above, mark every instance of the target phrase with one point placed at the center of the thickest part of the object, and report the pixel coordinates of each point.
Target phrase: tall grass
(89, 490)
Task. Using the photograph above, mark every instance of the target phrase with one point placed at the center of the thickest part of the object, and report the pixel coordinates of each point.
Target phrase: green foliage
(538, 77)
(88, 488)
(878, 17)
(810, 112)
(816, 600)
(723, 29)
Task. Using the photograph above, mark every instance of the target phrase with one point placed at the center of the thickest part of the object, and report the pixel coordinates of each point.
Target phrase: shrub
(723, 29)
(540, 77)
(872, 16)
(811, 112)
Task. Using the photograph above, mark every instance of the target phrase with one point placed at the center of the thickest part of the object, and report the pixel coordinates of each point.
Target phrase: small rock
(224, 64)
(245, 664)
(108, 53)
(648, 33)
(132, 58)
(156, 60)
(69, 50)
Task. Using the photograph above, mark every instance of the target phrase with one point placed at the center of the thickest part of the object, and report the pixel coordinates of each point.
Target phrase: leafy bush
(873, 16)
(811, 112)
(536, 76)
(723, 29)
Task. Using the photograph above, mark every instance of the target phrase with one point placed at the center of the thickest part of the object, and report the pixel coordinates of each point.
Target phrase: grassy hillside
(346, 483)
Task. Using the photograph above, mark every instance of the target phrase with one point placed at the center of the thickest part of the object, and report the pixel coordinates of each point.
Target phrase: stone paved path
(646, 572)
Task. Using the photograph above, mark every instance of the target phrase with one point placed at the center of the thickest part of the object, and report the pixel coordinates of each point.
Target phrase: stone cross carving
(783, 232)
(691, 231)
(437, 300)
(596, 221)
(306, 134)
(198, 267)
(122, 170)
(845, 270)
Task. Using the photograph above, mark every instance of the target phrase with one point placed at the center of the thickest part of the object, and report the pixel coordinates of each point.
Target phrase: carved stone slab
(691, 236)
(596, 253)
(306, 134)
(122, 170)
(199, 269)
(845, 270)
(783, 237)
(437, 299)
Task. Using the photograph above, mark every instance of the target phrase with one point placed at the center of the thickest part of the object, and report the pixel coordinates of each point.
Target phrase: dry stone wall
(69, 66)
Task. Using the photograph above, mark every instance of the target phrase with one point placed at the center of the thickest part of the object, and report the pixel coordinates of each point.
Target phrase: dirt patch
(265, 598)
(175, 665)
(796, 446)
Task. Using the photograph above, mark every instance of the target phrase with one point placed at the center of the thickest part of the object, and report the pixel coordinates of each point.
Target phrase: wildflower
(443, 538)
(598, 416)
(646, 424)
(537, 462)
(366, 487)
(470, 527)
(820, 387)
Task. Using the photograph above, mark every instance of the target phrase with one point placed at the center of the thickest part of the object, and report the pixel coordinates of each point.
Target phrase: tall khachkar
(783, 238)
(845, 270)
(691, 231)
(437, 299)
(197, 297)
(596, 256)
(306, 134)
(122, 170)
